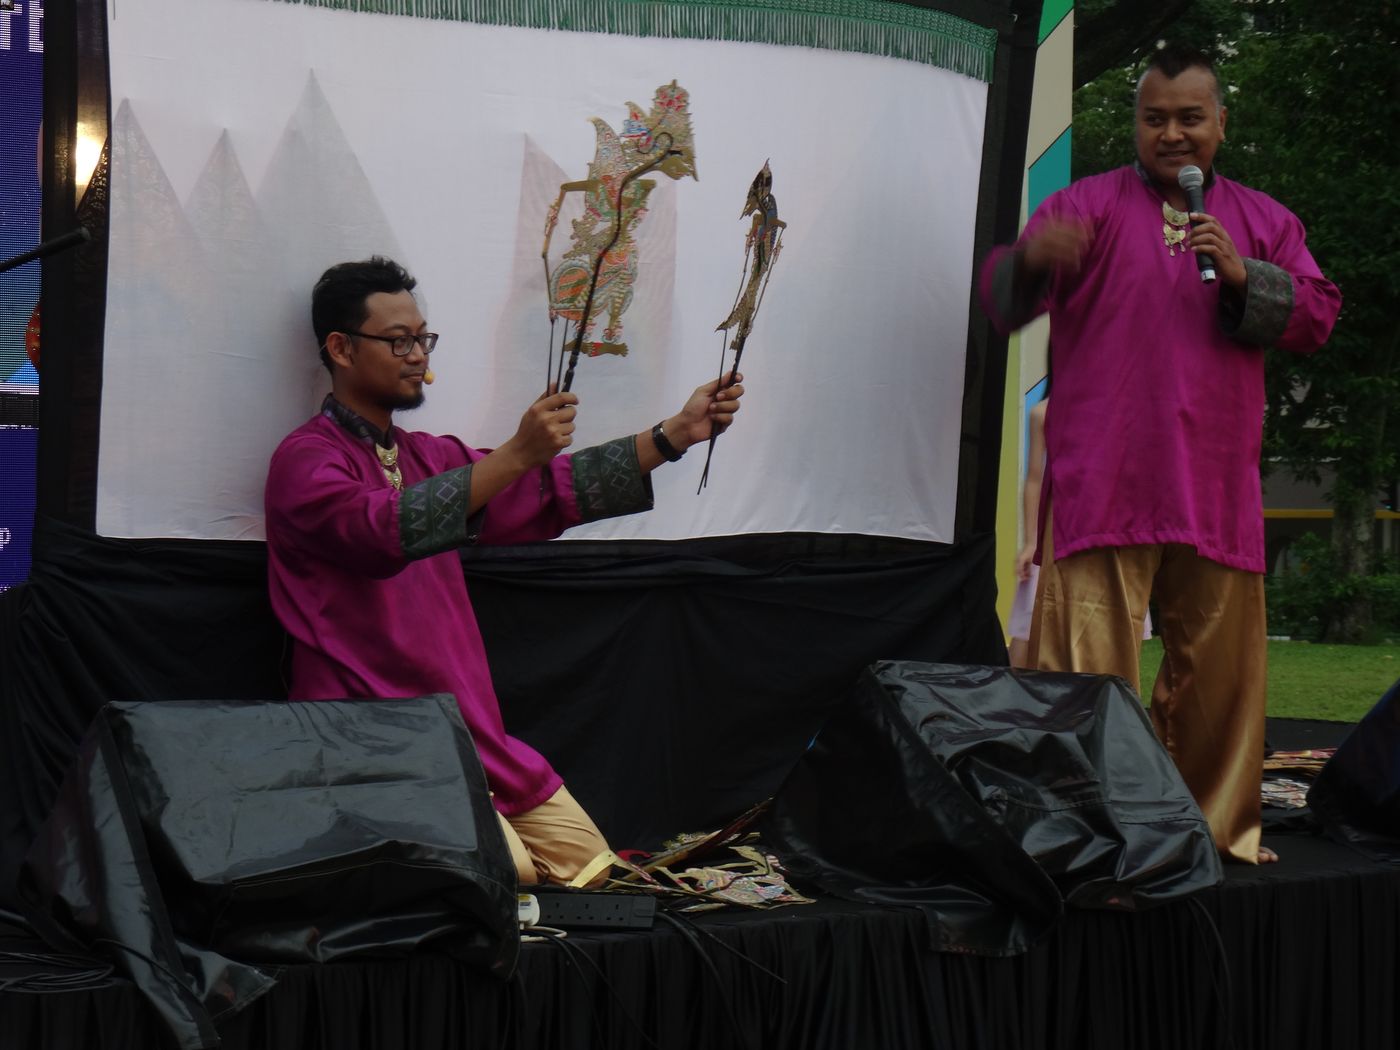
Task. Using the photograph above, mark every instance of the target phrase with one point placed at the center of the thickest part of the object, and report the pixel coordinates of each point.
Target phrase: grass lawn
(1336, 683)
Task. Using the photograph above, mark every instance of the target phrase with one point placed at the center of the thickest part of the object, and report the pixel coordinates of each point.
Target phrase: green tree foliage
(1106, 32)
(1313, 92)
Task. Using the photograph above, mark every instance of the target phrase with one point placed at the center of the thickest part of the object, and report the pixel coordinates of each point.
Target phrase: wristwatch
(663, 444)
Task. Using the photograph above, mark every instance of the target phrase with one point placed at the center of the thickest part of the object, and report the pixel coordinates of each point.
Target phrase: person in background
(1027, 571)
(1018, 627)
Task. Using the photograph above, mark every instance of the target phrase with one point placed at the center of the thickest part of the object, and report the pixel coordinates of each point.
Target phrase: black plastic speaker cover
(202, 846)
(991, 798)
(1357, 794)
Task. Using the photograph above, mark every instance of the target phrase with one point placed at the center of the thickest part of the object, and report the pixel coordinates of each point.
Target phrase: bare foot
(1267, 856)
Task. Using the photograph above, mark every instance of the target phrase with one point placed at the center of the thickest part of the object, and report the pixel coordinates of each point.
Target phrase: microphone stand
(71, 239)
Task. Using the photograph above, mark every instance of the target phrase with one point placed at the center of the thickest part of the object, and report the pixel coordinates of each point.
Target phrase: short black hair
(338, 300)
(1173, 60)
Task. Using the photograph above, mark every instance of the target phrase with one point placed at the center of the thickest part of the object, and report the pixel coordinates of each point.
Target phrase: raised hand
(1208, 237)
(708, 411)
(1058, 244)
(546, 429)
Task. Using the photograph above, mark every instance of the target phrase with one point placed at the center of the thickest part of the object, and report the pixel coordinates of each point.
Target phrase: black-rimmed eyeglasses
(402, 345)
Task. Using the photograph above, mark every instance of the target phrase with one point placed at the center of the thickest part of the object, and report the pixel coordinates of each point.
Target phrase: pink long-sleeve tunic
(368, 583)
(1155, 431)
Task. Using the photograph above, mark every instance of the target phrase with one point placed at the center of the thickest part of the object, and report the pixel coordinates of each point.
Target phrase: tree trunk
(1352, 528)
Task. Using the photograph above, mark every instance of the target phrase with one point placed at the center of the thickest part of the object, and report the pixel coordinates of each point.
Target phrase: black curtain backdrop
(1295, 956)
(672, 684)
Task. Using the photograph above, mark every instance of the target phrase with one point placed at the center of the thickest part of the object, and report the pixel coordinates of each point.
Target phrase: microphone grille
(1190, 178)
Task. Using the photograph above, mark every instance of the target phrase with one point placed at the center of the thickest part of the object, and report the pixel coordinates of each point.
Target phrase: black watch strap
(663, 444)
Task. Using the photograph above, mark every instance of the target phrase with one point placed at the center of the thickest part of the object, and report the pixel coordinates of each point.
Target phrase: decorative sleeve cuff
(608, 481)
(1268, 304)
(433, 514)
(1015, 298)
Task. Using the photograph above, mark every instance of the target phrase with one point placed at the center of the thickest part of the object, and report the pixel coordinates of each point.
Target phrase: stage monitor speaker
(203, 846)
(1357, 794)
(991, 798)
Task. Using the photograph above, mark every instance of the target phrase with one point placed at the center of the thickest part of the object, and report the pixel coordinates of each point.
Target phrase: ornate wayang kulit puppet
(597, 273)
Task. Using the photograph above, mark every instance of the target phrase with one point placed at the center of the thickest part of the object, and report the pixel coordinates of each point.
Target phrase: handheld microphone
(1193, 182)
(428, 377)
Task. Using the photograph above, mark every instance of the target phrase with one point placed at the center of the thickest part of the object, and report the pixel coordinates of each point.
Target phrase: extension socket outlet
(580, 909)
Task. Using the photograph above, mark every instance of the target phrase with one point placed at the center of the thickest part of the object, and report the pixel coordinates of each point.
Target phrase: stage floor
(1302, 954)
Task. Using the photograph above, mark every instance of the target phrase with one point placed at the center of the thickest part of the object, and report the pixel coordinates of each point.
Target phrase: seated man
(364, 521)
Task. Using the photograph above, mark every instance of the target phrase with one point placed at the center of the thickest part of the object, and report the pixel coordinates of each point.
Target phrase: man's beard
(404, 404)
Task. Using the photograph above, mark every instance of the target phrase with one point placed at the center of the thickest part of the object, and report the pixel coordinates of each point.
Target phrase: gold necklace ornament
(389, 463)
(1174, 228)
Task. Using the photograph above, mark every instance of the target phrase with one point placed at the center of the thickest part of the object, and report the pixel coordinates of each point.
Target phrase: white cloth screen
(256, 143)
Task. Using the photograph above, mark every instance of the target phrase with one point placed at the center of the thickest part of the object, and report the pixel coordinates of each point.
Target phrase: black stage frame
(793, 616)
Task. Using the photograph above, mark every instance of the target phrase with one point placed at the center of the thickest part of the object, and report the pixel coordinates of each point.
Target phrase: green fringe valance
(870, 26)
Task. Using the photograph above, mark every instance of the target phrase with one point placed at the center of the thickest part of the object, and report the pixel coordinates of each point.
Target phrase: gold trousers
(1208, 701)
(553, 842)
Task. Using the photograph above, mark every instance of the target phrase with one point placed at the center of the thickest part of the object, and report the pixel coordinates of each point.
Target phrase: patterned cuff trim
(1014, 297)
(608, 481)
(1268, 304)
(433, 514)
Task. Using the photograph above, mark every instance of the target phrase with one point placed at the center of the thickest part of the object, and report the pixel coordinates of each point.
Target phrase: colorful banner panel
(21, 107)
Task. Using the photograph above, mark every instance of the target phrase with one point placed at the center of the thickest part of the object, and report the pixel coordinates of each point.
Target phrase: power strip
(581, 909)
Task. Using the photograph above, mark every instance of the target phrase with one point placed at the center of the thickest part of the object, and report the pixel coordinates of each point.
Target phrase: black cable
(709, 964)
(1225, 998)
(592, 1004)
(621, 1006)
(513, 1030)
(49, 983)
(83, 973)
(681, 916)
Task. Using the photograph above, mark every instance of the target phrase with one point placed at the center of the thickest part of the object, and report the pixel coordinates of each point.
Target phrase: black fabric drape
(104, 620)
(1305, 958)
(671, 684)
(676, 684)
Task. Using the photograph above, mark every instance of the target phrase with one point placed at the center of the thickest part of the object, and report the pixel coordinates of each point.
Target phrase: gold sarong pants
(1208, 701)
(554, 842)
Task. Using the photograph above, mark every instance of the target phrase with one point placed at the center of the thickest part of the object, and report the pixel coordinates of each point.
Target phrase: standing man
(364, 521)
(1153, 483)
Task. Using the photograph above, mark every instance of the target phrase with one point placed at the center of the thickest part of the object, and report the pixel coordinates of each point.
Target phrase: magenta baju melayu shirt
(367, 580)
(1156, 422)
